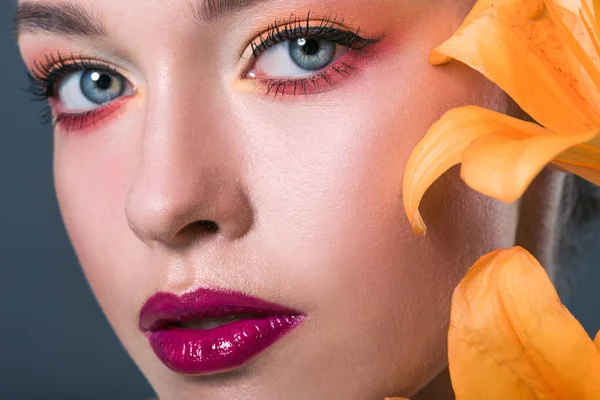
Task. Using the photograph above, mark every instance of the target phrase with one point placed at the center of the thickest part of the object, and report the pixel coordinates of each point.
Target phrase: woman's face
(276, 174)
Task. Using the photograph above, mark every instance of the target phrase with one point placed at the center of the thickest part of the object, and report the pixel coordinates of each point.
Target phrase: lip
(197, 351)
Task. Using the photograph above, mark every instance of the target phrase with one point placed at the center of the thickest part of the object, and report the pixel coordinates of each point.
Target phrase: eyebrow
(76, 20)
(66, 19)
(211, 10)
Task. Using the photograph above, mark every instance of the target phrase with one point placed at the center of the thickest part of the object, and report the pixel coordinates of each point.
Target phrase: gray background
(54, 341)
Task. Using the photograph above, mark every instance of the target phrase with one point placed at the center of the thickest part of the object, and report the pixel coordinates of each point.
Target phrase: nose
(188, 183)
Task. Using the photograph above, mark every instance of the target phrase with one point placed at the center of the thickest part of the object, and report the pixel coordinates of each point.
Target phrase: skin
(306, 193)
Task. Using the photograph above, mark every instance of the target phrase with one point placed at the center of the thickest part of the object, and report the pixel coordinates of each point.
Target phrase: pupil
(103, 82)
(310, 47)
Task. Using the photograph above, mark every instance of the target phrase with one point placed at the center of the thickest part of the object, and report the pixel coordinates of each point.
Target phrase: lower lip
(196, 352)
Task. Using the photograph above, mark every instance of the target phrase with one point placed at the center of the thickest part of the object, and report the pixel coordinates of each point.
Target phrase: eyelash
(303, 85)
(297, 28)
(45, 76)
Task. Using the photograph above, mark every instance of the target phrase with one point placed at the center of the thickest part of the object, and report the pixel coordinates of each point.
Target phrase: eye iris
(312, 54)
(101, 87)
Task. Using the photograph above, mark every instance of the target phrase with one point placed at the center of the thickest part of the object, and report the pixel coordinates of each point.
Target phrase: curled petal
(503, 164)
(440, 149)
(582, 160)
(522, 51)
(511, 338)
(500, 156)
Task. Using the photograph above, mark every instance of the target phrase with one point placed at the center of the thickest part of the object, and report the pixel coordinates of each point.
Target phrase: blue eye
(297, 58)
(312, 54)
(101, 87)
(300, 49)
(88, 89)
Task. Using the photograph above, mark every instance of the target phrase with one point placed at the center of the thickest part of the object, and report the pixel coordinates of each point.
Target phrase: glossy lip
(195, 351)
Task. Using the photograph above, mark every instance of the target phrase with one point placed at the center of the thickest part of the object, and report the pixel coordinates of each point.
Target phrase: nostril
(203, 226)
(195, 230)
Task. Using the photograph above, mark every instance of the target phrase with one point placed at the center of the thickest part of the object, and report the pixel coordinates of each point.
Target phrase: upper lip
(163, 309)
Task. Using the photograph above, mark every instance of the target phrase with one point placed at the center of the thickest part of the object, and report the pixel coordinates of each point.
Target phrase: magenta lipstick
(208, 330)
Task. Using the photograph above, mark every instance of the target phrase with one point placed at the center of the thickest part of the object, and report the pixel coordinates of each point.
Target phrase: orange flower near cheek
(546, 55)
(511, 338)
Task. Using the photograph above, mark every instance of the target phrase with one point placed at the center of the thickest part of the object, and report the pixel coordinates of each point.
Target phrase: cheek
(327, 170)
(92, 177)
(326, 174)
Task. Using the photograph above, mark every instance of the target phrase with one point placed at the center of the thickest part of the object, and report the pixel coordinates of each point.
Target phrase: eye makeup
(307, 37)
(295, 28)
(294, 56)
(46, 78)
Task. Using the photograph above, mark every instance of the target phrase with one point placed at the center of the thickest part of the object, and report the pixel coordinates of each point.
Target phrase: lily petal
(500, 156)
(436, 57)
(503, 164)
(511, 338)
(440, 149)
(548, 84)
(582, 160)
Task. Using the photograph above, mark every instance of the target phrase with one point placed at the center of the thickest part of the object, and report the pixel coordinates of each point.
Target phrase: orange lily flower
(511, 338)
(546, 55)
